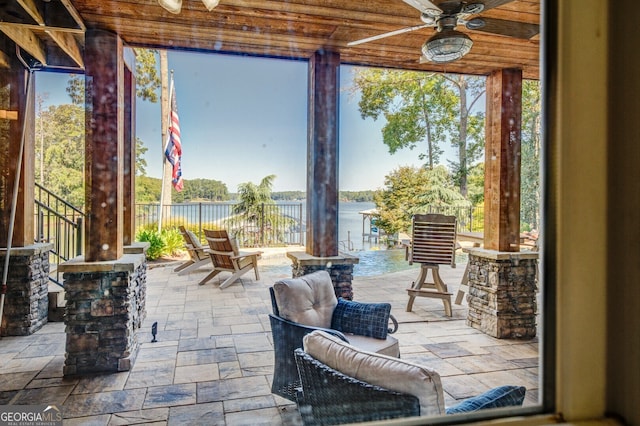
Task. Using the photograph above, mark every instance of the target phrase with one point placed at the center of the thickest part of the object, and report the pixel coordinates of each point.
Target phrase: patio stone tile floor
(212, 363)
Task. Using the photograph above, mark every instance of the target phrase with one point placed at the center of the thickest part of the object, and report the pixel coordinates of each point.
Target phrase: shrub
(173, 241)
(155, 240)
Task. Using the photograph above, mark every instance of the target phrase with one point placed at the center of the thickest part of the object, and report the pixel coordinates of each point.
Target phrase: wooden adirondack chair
(433, 243)
(225, 256)
(198, 256)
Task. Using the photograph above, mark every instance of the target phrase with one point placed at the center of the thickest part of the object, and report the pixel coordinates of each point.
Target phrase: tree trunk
(462, 142)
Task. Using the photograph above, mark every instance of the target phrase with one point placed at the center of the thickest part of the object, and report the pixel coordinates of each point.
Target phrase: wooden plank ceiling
(51, 32)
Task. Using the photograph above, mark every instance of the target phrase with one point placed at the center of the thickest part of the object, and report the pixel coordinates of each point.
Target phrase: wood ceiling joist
(34, 35)
(67, 42)
(27, 40)
(74, 14)
(30, 7)
(5, 62)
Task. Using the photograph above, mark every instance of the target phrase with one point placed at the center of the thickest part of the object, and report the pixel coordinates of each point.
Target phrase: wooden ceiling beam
(26, 39)
(74, 14)
(4, 60)
(30, 37)
(67, 42)
(44, 28)
(30, 7)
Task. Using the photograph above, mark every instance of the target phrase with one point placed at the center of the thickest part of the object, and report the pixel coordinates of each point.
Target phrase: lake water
(374, 256)
(350, 227)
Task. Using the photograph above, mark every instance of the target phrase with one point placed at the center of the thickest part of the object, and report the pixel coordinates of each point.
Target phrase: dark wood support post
(502, 280)
(15, 111)
(129, 160)
(502, 161)
(104, 146)
(25, 306)
(322, 154)
(322, 178)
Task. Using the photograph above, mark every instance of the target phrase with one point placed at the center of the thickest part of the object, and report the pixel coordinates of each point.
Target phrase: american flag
(173, 149)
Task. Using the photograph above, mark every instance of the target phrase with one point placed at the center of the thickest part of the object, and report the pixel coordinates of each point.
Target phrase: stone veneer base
(105, 308)
(26, 304)
(502, 293)
(339, 267)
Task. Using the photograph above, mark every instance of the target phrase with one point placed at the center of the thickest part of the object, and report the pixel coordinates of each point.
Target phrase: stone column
(502, 293)
(26, 304)
(340, 268)
(105, 308)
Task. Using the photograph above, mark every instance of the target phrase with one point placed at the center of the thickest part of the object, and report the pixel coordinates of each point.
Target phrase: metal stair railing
(60, 223)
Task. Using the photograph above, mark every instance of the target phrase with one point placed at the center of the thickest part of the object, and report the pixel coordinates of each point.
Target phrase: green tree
(75, 88)
(141, 163)
(358, 196)
(425, 108)
(147, 79)
(202, 189)
(530, 155)
(256, 221)
(147, 75)
(475, 184)
(252, 196)
(43, 123)
(64, 154)
(410, 190)
(468, 138)
(147, 189)
(147, 85)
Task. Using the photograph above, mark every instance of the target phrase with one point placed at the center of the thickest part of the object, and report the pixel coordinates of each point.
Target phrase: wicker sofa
(308, 303)
(328, 397)
(342, 384)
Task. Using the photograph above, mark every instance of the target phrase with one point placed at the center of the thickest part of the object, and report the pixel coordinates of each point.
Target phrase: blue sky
(244, 118)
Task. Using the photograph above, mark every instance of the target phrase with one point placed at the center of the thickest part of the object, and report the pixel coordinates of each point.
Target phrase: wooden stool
(436, 289)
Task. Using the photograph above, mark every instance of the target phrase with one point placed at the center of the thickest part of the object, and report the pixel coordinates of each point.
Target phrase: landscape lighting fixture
(174, 6)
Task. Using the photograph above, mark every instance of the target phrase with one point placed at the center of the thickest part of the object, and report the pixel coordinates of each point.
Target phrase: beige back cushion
(308, 300)
(380, 370)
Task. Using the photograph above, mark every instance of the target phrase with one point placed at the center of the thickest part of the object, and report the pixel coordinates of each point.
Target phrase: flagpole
(164, 157)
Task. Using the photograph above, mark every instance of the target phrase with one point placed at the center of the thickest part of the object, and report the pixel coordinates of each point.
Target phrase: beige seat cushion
(308, 300)
(380, 370)
(388, 346)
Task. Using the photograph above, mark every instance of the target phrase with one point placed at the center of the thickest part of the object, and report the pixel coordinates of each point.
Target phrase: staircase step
(56, 303)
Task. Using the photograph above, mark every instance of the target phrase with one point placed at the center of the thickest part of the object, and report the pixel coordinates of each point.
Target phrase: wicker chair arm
(394, 321)
(330, 397)
(305, 329)
(287, 336)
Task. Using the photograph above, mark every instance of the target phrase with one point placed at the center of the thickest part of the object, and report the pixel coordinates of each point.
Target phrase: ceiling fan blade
(521, 30)
(425, 6)
(389, 34)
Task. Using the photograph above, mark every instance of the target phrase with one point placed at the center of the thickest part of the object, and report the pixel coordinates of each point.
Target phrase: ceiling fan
(444, 15)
